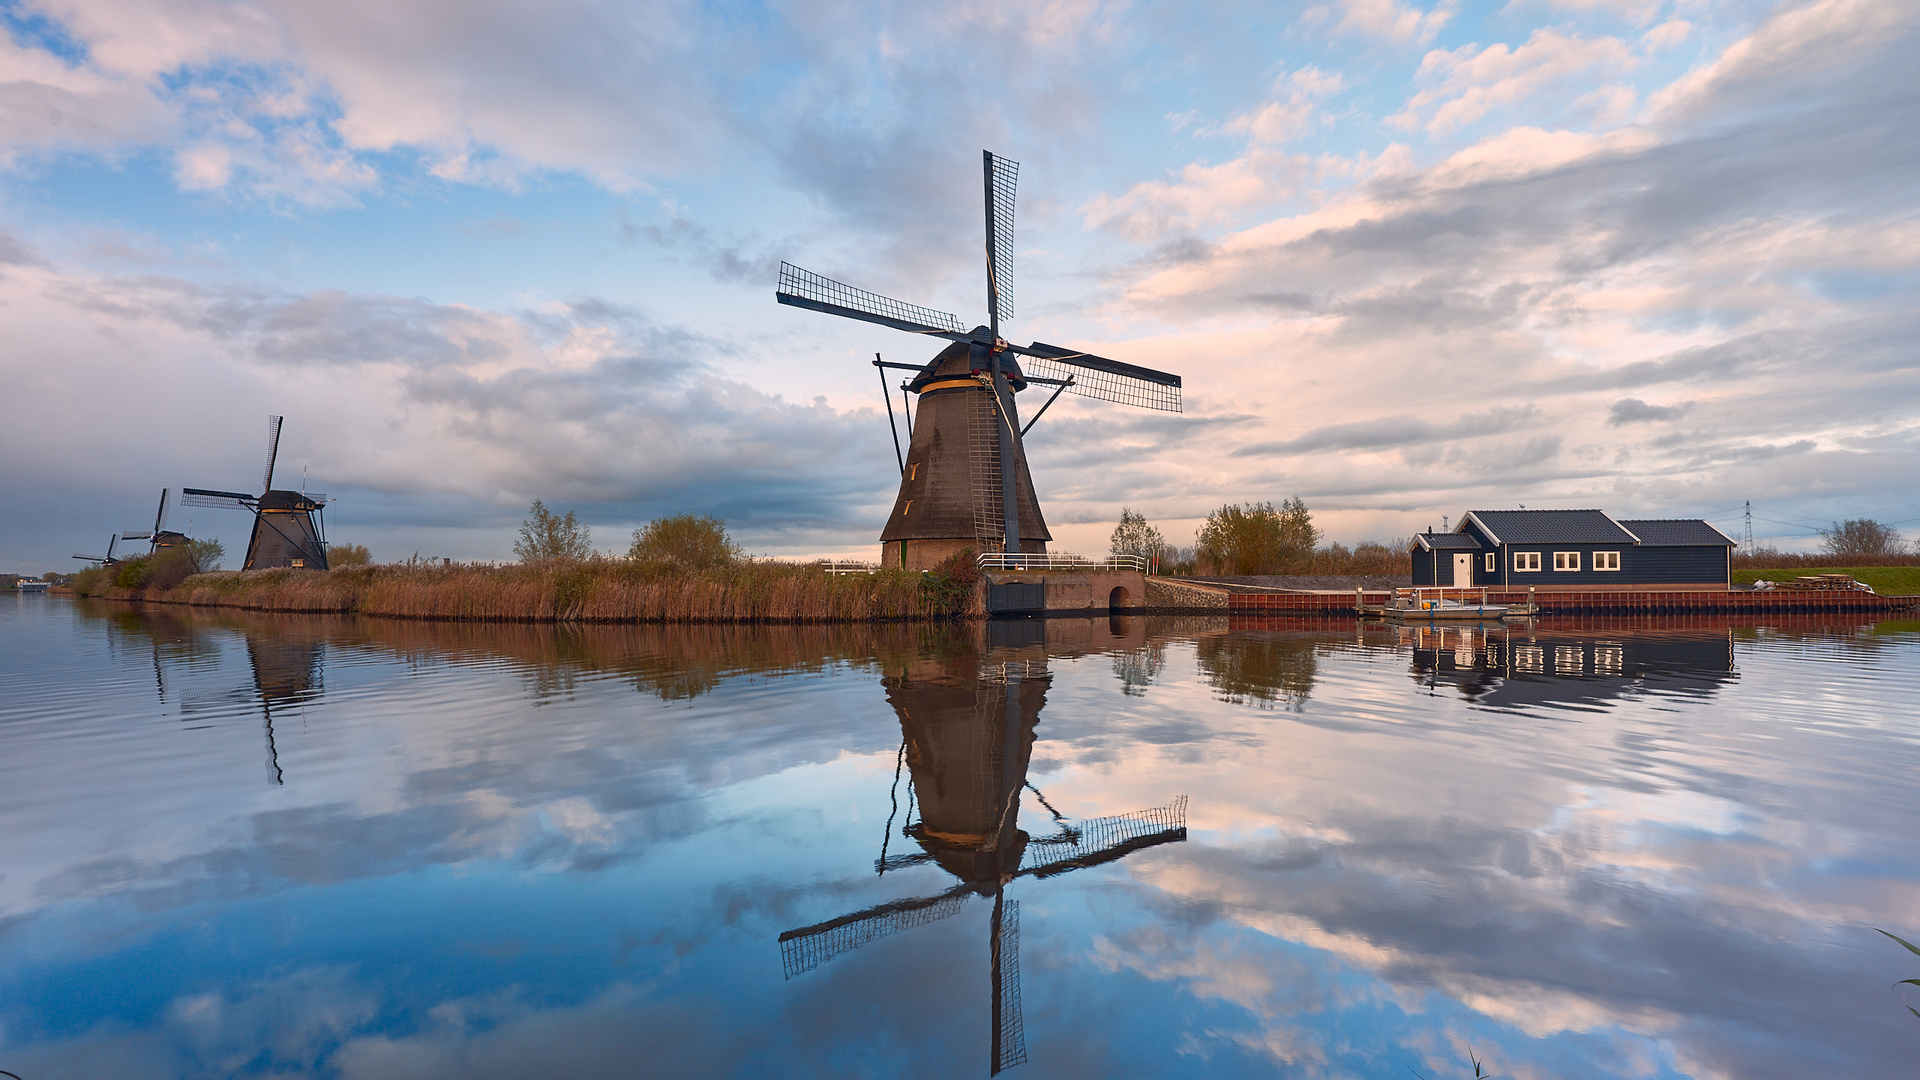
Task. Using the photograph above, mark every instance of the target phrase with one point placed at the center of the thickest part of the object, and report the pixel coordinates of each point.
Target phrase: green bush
(87, 582)
(686, 541)
(133, 574)
(949, 587)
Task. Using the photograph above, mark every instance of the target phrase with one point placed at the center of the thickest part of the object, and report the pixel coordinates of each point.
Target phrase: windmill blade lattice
(808, 947)
(1102, 379)
(225, 500)
(804, 288)
(1002, 177)
(273, 450)
(1104, 839)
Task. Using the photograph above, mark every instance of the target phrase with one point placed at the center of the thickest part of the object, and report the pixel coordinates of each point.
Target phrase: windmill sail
(804, 288)
(226, 500)
(1002, 177)
(1009, 1027)
(273, 450)
(808, 947)
(1105, 839)
(1101, 378)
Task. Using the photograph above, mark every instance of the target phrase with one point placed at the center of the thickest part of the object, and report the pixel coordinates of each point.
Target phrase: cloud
(1390, 21)
(1635, 411)
(1464, 85)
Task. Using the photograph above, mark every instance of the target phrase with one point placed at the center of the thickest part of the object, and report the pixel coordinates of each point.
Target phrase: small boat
(1421, 604)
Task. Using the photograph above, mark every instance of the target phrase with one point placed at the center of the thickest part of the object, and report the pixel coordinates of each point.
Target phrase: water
(251, 845)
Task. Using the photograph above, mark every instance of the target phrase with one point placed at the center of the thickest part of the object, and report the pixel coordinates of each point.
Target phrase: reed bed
(589, 591)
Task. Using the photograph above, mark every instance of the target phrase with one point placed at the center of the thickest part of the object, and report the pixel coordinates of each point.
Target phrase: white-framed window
(1492, 562)
(1526, 561)
(1566, 560)
(1606, 560)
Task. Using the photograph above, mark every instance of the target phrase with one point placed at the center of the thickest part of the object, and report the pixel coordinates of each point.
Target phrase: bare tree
(1862, 536)
(547, 535)
(1133, 536)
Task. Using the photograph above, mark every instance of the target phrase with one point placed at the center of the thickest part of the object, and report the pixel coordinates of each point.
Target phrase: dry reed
(590, 591)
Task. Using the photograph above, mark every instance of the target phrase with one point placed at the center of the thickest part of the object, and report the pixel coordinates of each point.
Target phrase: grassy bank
(592, 591)
(1886, 580)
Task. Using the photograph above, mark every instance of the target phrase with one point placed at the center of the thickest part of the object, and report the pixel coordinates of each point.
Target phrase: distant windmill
(158, 537)
(964, 482)
(287, 527)
(968, 743)
(103, 560)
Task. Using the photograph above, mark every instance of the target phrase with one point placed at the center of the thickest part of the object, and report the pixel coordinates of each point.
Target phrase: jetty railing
(1064, 560)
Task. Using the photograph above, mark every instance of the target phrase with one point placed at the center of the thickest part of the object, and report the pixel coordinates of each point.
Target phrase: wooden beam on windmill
(964, 481)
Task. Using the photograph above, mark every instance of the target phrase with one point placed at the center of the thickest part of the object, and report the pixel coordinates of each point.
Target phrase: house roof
(1677, 532)
(1550, 527)
(1446, 541)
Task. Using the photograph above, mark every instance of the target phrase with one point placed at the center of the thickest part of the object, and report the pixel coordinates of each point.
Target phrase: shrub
(685, 541)
(348, 555)
(87, 582)
(133, 573)
(1259, 538)
(949, 588)
(546, 535)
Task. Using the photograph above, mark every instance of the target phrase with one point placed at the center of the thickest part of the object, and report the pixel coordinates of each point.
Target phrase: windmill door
(1462, 570)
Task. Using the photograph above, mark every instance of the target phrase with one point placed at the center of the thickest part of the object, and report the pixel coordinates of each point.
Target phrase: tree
(348, 555)
(1862, 536)
(204, 555)
(1259, 538)
(1133, 536)
(686, 541)
(547, 535)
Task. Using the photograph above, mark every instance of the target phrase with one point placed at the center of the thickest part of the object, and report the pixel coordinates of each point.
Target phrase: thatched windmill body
(963, 480)
(287, 525)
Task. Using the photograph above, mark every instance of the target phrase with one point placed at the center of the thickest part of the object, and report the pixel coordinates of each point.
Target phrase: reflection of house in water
(967, 723)
(1516, 666)
(286, 673)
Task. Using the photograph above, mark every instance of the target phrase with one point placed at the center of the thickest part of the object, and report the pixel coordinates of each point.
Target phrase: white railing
(846, 566)
(1064, 560)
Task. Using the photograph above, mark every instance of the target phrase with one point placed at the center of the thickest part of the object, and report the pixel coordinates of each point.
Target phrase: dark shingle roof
(1676, 532)
(1447, 541)
(1552, 527)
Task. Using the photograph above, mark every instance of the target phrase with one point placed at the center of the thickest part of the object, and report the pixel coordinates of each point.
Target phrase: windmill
(158, 538)
(967, 744)
(287, 528)
(102, 560)
(964, 480)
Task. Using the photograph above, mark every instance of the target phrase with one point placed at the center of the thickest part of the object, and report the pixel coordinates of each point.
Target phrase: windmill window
(913, 470)
(904, 509)
(1491, 565)
(1566, 560)
(1606, 560)
(1526, 561)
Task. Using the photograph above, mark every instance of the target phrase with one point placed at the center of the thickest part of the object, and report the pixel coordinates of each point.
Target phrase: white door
(1462, 570)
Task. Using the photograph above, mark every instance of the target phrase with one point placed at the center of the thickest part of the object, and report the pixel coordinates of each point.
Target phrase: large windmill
(967, 743)
(159, 537)
(287, 528)
(964, 480)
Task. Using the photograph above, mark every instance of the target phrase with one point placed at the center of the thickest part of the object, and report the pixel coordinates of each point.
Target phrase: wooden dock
(1624, 602)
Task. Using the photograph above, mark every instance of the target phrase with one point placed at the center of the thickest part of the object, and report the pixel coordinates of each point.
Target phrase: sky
(1654, 257)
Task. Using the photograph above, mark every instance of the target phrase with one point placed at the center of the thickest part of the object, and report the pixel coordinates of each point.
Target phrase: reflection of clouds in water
(1667, 876)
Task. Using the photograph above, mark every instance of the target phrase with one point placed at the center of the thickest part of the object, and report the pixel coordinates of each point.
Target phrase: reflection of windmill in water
(287, 526)
(964, 481)
(286, 673)
(967, 743)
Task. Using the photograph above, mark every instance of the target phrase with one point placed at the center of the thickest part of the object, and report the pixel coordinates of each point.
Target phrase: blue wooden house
(1574, 549)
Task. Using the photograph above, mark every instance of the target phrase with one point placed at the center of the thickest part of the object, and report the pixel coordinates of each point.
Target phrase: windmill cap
(287, 500)
(955, 362)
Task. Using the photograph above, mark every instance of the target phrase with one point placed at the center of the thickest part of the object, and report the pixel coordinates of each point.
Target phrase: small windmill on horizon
(287, 527)
(964, 481)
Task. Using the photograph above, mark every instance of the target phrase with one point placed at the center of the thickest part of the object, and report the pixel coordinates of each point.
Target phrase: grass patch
(1886, 580)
